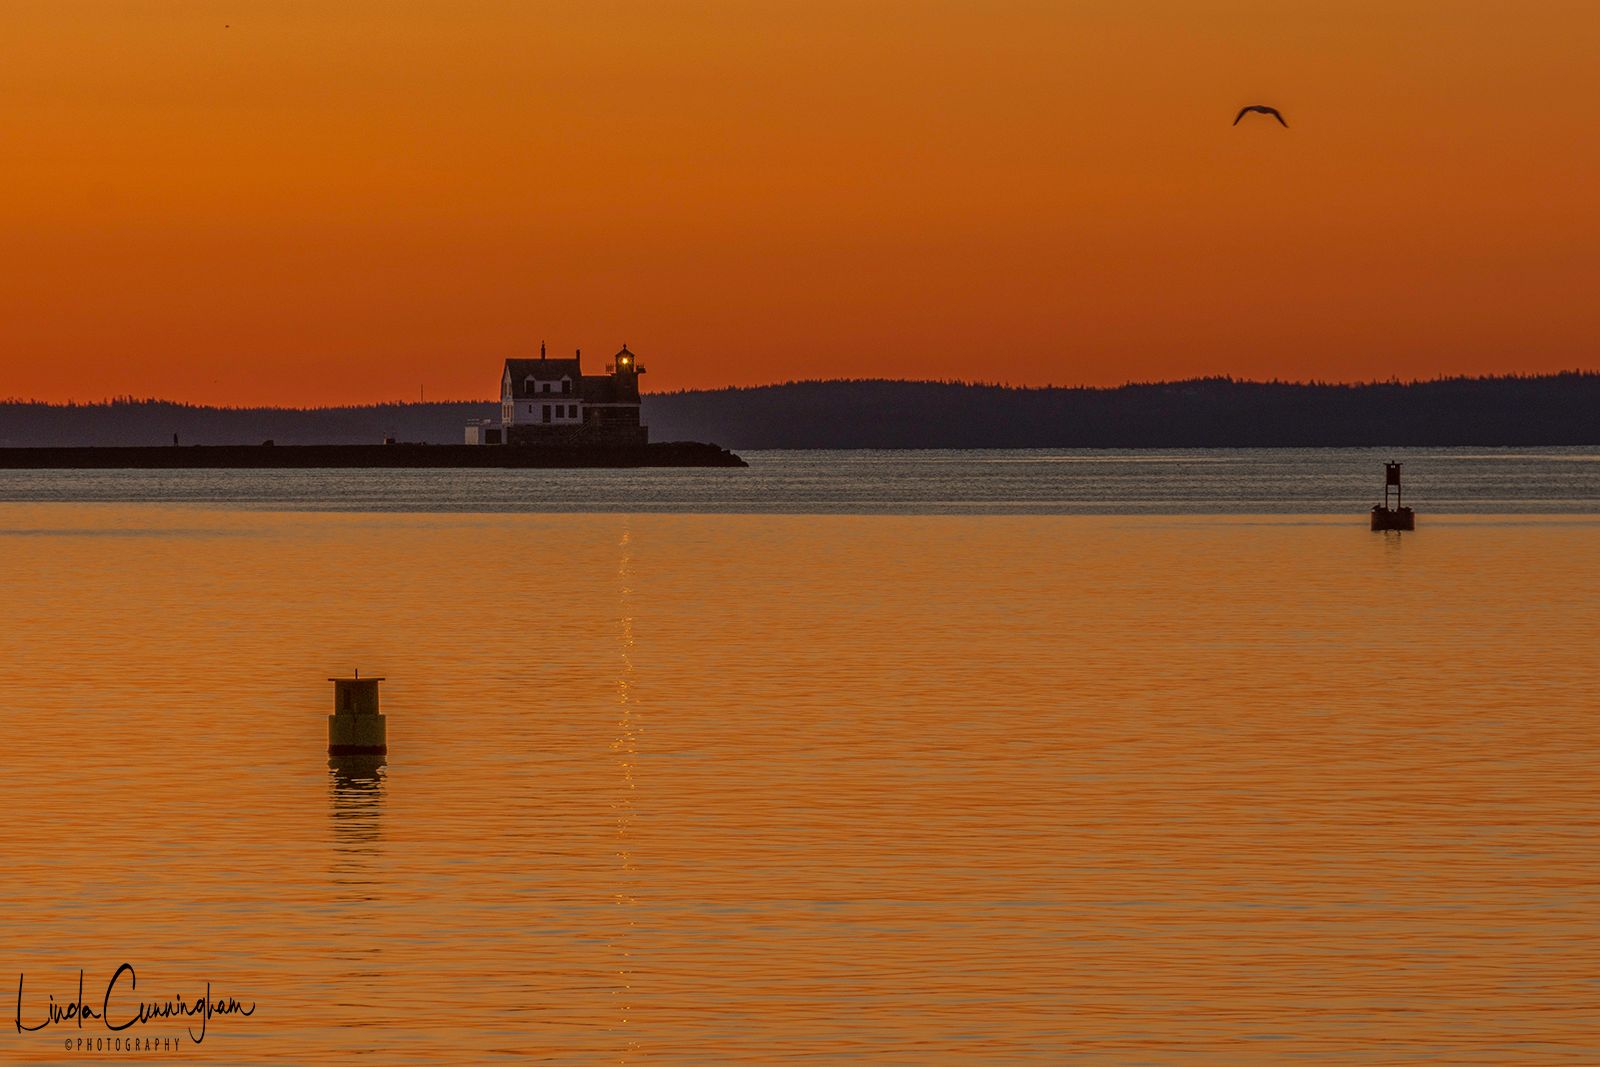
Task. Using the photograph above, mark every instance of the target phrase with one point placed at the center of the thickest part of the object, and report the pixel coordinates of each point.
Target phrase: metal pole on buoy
(1398, 516)
(356, 727)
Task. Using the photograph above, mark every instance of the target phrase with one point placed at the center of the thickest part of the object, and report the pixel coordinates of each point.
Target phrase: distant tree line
(126, 421)
(1557, 409)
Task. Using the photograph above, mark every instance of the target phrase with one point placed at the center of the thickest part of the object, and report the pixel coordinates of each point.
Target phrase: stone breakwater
(179, 457)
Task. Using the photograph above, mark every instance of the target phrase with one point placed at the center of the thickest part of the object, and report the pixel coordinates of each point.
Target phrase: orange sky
(312, 202)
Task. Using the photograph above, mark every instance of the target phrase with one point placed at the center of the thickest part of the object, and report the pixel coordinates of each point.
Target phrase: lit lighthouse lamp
(624, 365)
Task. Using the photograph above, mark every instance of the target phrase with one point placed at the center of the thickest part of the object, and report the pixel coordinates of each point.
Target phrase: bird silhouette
(1261, 109)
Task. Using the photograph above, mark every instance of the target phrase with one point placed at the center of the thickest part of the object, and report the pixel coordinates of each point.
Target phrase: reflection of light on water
(1392, 540)
(1519, 457)
(626, 749)
(355, 794)
(1100, 459)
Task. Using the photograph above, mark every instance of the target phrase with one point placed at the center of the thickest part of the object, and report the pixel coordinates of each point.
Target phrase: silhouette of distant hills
(1558, 409)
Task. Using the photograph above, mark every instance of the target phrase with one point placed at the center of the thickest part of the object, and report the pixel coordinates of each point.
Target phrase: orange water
(803, 789)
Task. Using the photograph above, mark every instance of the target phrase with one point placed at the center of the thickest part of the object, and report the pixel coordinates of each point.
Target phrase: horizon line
(1311, 383)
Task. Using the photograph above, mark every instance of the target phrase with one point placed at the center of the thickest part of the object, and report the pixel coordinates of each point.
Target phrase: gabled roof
(544, 370)
(540, 370)
(593, 388)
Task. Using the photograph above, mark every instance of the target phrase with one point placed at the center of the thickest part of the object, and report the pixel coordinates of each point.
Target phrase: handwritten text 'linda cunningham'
(121, 1010)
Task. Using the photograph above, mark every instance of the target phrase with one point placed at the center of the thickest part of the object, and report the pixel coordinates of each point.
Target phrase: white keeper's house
(552, 402)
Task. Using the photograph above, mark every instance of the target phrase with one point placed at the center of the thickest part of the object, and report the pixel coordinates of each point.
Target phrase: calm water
(722, 768)
(1083, 481)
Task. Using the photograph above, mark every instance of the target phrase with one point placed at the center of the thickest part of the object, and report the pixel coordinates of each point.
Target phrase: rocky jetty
(186, 457)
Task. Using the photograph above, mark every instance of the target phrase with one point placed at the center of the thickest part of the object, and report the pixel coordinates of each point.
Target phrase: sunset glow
(311, 203)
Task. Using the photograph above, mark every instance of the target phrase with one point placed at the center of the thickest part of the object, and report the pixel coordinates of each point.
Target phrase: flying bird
(1261, 109)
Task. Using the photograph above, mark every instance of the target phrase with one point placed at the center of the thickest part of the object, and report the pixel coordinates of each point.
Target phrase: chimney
(541, 349)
